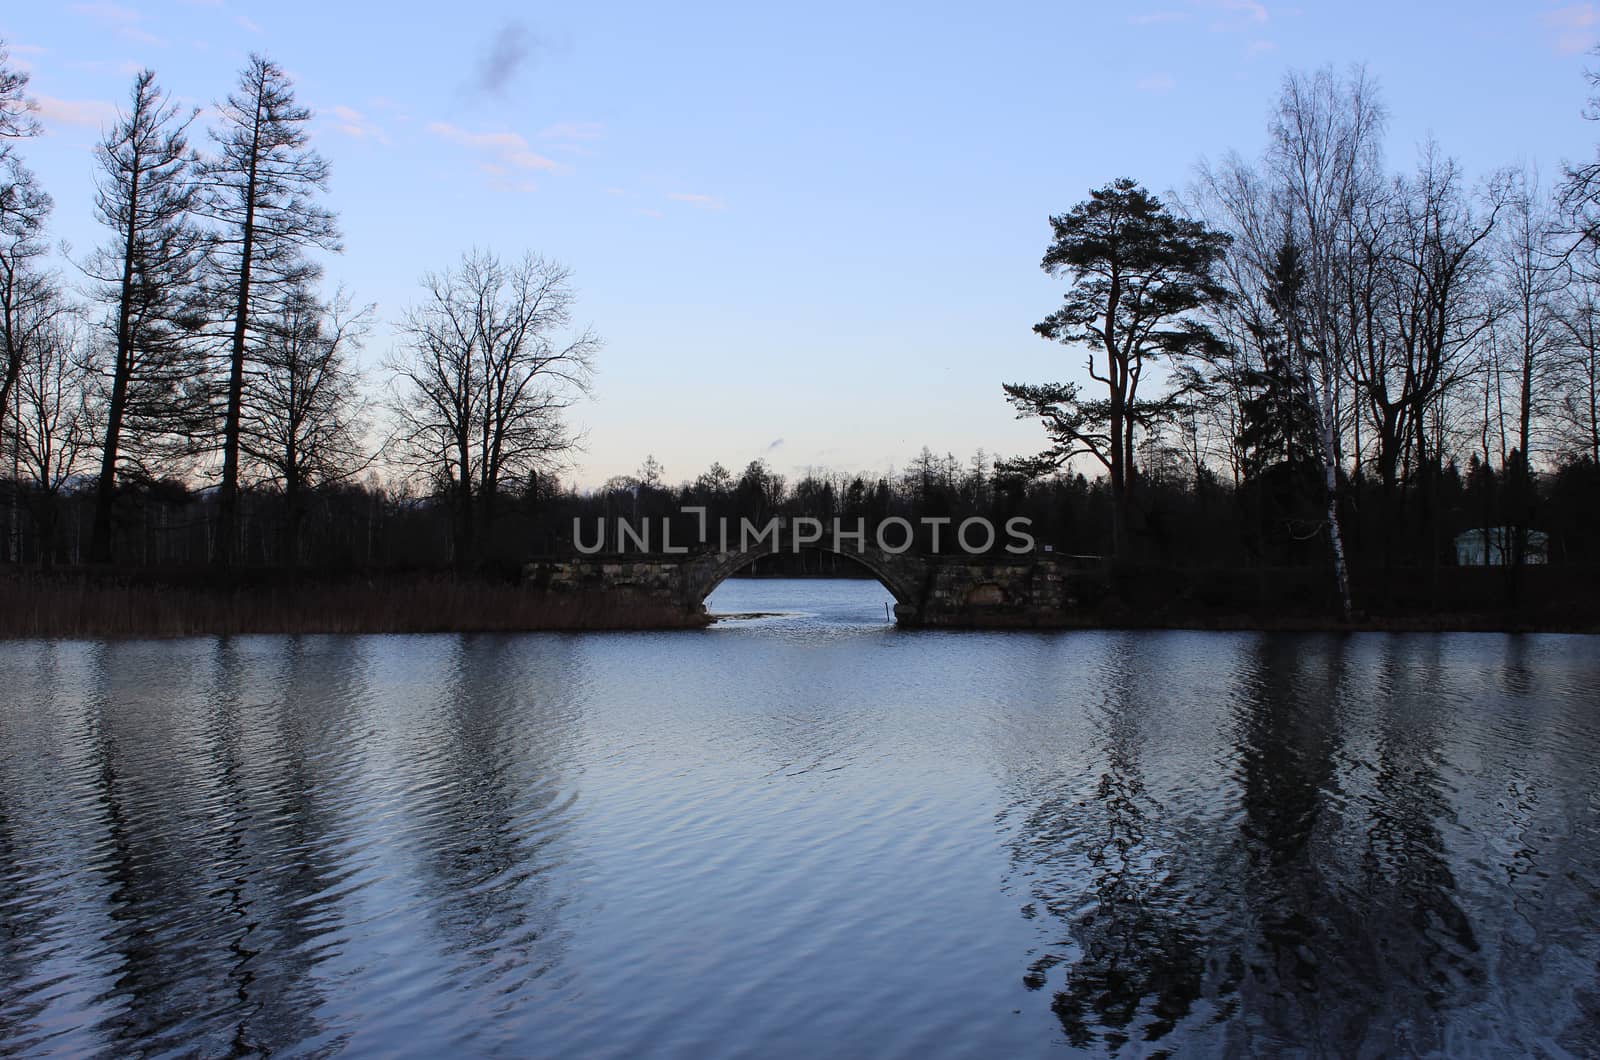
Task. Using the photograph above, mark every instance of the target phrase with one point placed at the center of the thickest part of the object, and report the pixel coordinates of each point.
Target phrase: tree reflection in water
(1135, 960)
(490, 804)
(1295, 890)
(222, 870)
(548, 845)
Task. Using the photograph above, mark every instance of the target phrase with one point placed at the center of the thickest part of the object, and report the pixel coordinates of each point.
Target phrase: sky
(808, 234)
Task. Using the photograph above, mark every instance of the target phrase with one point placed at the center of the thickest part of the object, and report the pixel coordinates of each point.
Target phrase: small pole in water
(886, 611)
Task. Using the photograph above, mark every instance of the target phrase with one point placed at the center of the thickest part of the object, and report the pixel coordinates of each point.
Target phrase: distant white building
(1494, 546)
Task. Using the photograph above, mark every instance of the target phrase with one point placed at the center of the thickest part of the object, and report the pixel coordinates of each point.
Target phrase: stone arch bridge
(993, 590)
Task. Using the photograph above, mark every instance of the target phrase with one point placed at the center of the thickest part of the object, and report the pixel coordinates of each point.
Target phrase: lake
(800, 835)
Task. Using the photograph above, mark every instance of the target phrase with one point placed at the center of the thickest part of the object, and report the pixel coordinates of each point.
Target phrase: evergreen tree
(148, 277)
(260, 194)
(1138, 273)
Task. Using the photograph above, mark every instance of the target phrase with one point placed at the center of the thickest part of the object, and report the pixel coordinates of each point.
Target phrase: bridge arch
(903, 576)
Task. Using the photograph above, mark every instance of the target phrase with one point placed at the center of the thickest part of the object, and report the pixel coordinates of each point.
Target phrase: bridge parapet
(950, 591)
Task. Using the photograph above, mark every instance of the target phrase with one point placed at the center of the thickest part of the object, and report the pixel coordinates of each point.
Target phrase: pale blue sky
(808, 232)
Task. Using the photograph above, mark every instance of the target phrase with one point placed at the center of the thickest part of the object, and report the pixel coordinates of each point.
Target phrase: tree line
(1334, 344)
(1302, 359)
(188, 393)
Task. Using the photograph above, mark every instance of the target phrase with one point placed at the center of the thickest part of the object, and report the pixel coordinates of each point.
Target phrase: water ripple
(798, 836)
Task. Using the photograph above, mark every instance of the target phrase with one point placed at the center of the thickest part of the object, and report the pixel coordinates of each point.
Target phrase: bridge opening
(817, 584)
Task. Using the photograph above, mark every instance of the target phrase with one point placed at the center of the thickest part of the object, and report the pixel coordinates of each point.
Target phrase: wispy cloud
(505, 149)
(1225, 15)
(19, 53)
(513, 185)
(1576, 27)
(246, 23)
(573, 137)
(92, 113)
(697, 200)
(124, 67)
(1236, 14)
(638, 211)
(574, 130)
(392, 110)
(108, 14)
(1218, 16)
(354, 124)
(1156, 84)
(124, 21)
(506, 157)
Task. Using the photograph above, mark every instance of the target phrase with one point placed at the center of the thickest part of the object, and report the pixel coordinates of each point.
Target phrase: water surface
(801, 834)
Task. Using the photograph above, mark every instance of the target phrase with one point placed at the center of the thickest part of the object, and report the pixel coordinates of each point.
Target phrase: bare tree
(16, 110)
(1325, 158)
(303, 414)
(1579, 196)
(33, 302)
(1442, 305)
(24, 208)
(1532, 274)
(1321, 172)
(56, 427)
(1236, 197)
(1439, 274)
(259, 192)
(489, 370)
(1577, 375)
(148, 277)
(1394, 302)
(1579, 314)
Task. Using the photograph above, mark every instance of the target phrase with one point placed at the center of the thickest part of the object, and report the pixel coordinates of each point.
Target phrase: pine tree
(259, 193)
(148, 276)
(1138, 273)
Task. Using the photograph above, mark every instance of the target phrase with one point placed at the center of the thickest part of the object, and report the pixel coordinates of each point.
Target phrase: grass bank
(1563, 599)
(35, 605)
(181, 603)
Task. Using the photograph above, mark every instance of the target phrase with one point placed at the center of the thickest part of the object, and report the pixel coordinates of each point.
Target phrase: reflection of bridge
(991, 590)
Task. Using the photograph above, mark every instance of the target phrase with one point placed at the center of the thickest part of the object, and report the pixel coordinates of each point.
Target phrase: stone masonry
(953, 591)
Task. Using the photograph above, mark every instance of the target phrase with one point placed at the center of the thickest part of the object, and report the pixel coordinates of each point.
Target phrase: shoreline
(165, 605)
(138, 605)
